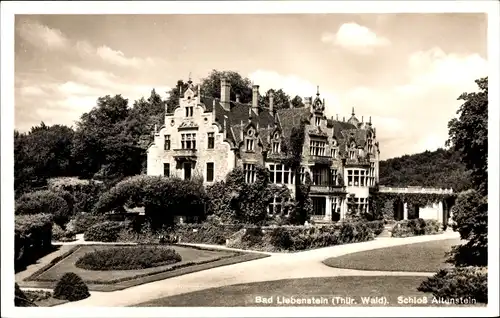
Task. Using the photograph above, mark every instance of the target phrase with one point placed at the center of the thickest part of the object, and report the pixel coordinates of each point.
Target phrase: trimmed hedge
(414, 227)
(71, 287)
(206, 233)
(459, 282)
(126, 258)
(296, 238)
(32, 237)
(47, 202)
(82, 221)
(107, 231)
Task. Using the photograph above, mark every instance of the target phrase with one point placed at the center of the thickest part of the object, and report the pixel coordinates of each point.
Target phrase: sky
(406, 71)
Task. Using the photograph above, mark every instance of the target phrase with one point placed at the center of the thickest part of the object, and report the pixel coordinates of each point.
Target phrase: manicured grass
(193, 260)
(418, 257)
(390, 287)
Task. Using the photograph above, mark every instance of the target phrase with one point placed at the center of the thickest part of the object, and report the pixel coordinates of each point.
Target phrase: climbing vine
(383, 203)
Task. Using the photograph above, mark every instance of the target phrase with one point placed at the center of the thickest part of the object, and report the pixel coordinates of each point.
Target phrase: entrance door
(187, 170)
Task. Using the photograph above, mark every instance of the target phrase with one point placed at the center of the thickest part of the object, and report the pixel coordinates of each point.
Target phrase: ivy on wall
(382, 203)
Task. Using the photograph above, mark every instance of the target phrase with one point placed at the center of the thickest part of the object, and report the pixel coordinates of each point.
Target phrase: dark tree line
(442, 168)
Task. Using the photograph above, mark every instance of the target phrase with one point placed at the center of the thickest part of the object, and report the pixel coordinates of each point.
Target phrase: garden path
(276, 267)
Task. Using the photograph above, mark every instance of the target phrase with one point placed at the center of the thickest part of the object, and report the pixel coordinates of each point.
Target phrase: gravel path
(276, 267)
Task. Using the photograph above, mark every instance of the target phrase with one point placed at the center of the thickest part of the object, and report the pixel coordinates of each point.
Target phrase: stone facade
(208, 137)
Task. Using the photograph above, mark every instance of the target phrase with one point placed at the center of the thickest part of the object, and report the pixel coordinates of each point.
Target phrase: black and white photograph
(260, 158)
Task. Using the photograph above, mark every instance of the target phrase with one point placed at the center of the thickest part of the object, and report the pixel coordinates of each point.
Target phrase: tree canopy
(468, 134)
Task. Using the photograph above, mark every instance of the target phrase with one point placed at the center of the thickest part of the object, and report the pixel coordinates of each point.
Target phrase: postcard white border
(9, 9)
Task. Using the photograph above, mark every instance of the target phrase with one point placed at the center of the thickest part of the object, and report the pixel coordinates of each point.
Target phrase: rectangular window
(317, 148)
(189, 111)
(188, 141)
(334, 153)
(280, 174)
(210, 171)
(302, 175)
(166, 169)
(318, 121)
(187, 171)
(275, 206)
(249, 144)
(319, 206)
(362, 178)
(319, 176)
(349, 177)
(352, 154)
(333, 174)
(166, 145)
(211, 141)
(249, 171)
(356, 178)
(276, 147)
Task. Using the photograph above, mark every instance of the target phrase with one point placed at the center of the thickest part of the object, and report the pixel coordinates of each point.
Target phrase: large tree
(469, 134)
(42, 153)
(103, 148)
(280, 99)
(210, 85)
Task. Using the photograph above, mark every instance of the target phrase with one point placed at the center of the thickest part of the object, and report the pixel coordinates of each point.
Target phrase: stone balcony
(322, 160)
(185, 154)
(326, 189)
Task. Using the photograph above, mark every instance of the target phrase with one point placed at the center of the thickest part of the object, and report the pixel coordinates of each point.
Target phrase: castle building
(208, 137)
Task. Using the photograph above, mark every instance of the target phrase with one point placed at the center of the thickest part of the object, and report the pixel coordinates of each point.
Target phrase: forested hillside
(441, 168)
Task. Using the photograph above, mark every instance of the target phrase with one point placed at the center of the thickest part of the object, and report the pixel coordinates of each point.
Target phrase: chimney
(291, 105)
(237, 98)
(370, 121)
(337, 117)
(255, 98)
(242, 126)
(249, 114)
(362, 119)
(271, 102)
(343, 119)
(225, 91)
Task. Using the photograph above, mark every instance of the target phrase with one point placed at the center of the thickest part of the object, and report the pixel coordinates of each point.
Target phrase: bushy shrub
(296, 238)
(459, 282)
(85, 193)
(107, 231)
(470, 219)
(44, 201)
(128, 257)
(57, 233)
(20, 298)
(162, 198)
(414, 227)
(376, 226)
(82, 221)
(32, 237)
(71, 287)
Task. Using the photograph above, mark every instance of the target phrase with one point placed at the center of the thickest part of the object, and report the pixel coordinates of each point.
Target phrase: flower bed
(130, 257)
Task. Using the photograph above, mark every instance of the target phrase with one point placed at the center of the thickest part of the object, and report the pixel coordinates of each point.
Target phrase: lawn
(395, 289)
(417, 257)
(193, 259)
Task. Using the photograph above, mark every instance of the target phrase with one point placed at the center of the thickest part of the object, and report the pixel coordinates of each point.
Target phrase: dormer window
(189, 111)
(276, 144)
(318, 120)
(249, 144)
